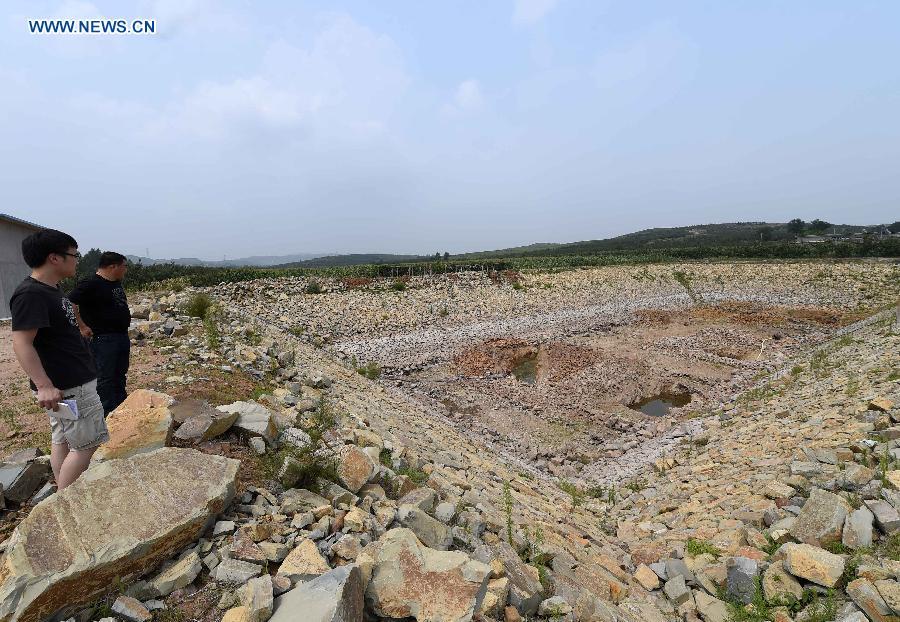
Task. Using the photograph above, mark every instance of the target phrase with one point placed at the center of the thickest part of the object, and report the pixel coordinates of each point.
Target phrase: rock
(336, 596)
(433, 533)
(885, 515)
(131, 609)
(223, 527)
(355, 467)
(206, 424)
(495, 598)
(86, 534)
(778, 490)
(140, 424)
(235, 571)
(445, 512)
(29, 454)
(256, 597)
(177, 576)
(301, 500)
(821, 521)
(554, 607)
(677, 567)
(258, 445)
(867, 598)
(677, 591)
(45, 491)
(882, 404)
(778, 584)
(646, 577)
(422, 498)
(411, 580)
(890, 592)
(304, 562)
(525, 589)
(236, 614)
(858, 529)
(741, 582)
(711, 609)
(813, 564)
(253, 419)
(19, 481)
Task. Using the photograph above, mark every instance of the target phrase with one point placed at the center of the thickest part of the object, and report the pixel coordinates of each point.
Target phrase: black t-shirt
(102, 304)
(64, 353)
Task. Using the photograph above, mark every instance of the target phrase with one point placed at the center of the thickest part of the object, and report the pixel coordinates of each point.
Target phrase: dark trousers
(111, 357)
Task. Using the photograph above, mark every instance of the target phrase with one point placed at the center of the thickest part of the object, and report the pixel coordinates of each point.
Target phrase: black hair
(41, 244)
(111, 258)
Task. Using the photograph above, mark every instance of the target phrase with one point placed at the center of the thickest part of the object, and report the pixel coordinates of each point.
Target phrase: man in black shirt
(101, 310)
(51, 350)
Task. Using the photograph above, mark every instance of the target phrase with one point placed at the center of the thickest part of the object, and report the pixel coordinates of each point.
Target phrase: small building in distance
(12, 267)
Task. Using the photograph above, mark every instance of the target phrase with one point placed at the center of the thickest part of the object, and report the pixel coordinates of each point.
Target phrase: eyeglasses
(76, 254)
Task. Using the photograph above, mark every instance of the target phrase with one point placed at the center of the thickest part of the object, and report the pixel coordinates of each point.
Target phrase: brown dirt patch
(502, 356)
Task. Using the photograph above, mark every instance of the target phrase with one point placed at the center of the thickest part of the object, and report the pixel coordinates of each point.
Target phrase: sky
(265, 128)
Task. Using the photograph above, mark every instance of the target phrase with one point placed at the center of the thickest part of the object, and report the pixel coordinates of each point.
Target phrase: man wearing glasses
(51, 350)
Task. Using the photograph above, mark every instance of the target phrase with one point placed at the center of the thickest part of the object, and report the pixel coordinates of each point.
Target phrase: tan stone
(303, 563)
(881, 403)
(411, 580)
(140, 424)
(120, 519)
(355, 467)
(646, 577)
(813, 564)
(495, 597)
(237, 614)
(867, 598)
(777, 583)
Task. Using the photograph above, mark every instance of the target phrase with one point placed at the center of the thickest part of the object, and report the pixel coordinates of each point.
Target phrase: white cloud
(645, 59)
(529, 12)
(466, 99)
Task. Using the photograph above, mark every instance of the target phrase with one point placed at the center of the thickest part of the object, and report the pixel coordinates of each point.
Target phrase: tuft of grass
(573, 491)
(370, 370)
(384, 457)
(399, 285)
(211, 327)
(198, 305)
(507, 510)
(313, 287)
(417, 476)
(695, 547)
(310, 464)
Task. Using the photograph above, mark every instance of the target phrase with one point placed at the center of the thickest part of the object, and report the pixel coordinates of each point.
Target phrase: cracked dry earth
(550, 368)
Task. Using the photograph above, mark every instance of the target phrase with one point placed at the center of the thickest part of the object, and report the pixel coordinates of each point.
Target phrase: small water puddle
(659, 405)
(526, 369)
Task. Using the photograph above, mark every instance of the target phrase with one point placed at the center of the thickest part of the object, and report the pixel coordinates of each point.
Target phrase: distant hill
(353, 260)
(255, 260)
(539, 247)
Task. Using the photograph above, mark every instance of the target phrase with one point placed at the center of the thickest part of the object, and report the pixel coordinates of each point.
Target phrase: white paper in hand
(68, 409)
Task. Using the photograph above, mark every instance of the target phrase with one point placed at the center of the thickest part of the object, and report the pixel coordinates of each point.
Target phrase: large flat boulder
(204, 423)
(410, 580)
(140, 424)
(120, 519)
(336, 596)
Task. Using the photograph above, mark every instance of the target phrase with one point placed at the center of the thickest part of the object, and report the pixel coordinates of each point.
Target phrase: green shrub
(198, 305)
(573, 491)
(694, 547)
(313, 287)
(311, 464)
(398, 285)
(370, 370)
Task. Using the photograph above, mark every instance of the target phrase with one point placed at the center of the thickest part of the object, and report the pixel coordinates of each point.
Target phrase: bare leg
(58, 453)
(74, 465)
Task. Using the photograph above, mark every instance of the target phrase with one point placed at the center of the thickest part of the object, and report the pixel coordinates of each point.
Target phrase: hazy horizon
(413, 128)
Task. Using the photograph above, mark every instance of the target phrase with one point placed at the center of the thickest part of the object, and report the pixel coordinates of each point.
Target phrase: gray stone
(28, 454)
(19, 481)
(258, 445)
(422, 498)
(253, 419)
(778, 584)
(178, 575)
(445, 512)
(555, 606)
(235, 571)
(205, 423)
(677, 591)
(741, 582)
(821, 520)
(223, 527)
(858, 529)
(677, 567)
(433, 533)
(336, 596)
(301, 500)
(525, 589)
(885, 515)
(867, 598)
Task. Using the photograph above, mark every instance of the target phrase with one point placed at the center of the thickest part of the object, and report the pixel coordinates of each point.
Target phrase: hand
(86, 331)
(49, 397)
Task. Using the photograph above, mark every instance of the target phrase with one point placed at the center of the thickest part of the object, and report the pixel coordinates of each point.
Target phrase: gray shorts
(89, 430)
